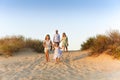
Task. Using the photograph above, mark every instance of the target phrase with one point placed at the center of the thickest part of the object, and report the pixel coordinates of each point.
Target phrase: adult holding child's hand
(56, 38)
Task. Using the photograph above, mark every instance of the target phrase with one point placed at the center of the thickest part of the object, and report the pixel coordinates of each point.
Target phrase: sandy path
(74, 66)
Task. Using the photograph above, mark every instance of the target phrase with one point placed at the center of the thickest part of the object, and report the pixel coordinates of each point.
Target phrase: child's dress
(48, 45)
(57, 53)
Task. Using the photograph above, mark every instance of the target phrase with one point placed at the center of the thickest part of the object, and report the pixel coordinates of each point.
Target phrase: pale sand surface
(76, 65)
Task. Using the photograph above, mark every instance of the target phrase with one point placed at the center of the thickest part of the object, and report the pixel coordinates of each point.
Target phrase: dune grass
(99, 44)
(11, 44)
(35, 44)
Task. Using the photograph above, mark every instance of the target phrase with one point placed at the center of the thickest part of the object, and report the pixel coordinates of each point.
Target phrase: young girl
(47, 46)
(57, 53)
(64, 42)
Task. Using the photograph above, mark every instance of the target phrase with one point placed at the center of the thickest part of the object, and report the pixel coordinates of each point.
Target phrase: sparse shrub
(109, 42)
(114, 36)
(12, 44)
(35, 44)
(116, 52)
(114, 45)
(88, 44)
(100, 44)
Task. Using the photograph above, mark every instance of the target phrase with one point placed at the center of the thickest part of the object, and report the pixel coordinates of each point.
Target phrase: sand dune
(74, 65)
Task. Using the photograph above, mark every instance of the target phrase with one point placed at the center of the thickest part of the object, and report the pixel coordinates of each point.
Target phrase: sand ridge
(74, 65)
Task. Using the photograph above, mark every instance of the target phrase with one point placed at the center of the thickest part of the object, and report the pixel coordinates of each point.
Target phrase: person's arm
(51, 43)
(61, 40)
(44, 44)
(54, 38)
(67, 41)
(59, 37)
(60, 47)
(51, 47)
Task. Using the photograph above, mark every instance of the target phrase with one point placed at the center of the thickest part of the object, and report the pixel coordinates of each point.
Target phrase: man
(56, 38)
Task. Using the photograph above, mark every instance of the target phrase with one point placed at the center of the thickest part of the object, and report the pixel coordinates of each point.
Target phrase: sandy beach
(74, 65)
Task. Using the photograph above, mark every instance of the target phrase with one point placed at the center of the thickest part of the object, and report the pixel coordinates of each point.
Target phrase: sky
(79, 19)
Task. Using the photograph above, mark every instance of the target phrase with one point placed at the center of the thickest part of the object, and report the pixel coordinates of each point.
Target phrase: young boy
(57, 53)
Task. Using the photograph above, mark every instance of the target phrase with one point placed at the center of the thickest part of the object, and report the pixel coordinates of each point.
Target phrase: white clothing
(56, 38)
(47, 45)
(57, 53)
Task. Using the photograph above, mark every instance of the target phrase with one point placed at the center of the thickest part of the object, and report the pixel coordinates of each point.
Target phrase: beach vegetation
(108, 42)
(12, 44)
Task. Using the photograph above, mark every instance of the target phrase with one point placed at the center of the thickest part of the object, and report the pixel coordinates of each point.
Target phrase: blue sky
(80, 19)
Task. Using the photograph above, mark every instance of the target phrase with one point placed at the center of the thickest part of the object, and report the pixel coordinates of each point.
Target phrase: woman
(64, 42)
(47, 46)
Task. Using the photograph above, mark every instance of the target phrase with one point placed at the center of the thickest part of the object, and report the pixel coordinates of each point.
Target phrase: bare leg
(47, 56)
(66, 48)
(63, 48)
(58, 59)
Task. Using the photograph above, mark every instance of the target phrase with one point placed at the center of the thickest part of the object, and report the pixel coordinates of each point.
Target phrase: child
(47, 46)
(57, 53)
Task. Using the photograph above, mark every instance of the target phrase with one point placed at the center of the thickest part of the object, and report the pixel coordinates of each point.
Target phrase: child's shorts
(57, 55)
(46, 49)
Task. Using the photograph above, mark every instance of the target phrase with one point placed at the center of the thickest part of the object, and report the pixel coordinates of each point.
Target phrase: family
(55, 45)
